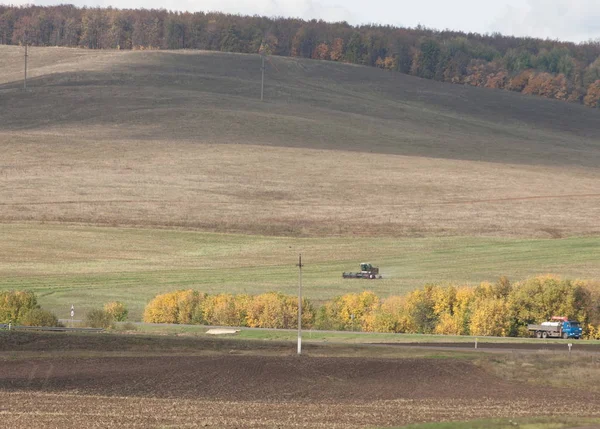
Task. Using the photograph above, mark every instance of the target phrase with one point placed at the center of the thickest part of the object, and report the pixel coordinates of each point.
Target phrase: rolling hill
(181, 139)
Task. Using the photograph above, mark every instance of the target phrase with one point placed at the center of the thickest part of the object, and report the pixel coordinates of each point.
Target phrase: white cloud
(576, 20)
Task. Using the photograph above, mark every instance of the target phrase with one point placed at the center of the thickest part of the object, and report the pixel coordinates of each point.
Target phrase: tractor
(367, 271)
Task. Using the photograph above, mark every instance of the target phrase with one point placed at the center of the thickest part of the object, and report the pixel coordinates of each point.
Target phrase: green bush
(39, 317)
(98, 318)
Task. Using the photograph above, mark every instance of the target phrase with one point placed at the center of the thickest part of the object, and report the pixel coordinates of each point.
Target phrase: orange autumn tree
(337, 49)
(321, 52)
(592, 97)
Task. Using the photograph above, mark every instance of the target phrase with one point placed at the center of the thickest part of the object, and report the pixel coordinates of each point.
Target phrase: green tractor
(367, 271)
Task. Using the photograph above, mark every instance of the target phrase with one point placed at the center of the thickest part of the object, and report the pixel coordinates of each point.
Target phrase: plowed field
(250, 391)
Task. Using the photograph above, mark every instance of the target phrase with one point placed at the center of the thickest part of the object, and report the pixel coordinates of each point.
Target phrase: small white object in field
(222, 331)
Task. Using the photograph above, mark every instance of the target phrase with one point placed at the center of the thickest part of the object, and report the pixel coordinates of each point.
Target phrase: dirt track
(263, 391)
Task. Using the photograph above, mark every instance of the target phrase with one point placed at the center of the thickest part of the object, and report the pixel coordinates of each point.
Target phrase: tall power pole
(25, 80)
(300, 304)
(262, 82)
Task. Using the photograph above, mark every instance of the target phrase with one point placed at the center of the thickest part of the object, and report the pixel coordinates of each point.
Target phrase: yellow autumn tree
(490, 318)
(275, 310)
(117, 310)
(357, 310)
(353, 311)
(181, 306)
(14, 304)
(390, 316)
(225, 309)
(539, 298)
(457, 321)
(162, 309)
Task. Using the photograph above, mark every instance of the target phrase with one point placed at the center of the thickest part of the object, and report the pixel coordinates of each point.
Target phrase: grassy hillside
(89, 266)
(433, 182)
(179, 139)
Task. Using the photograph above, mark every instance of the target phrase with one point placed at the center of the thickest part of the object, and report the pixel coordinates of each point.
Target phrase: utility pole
(262, 82)
(299, 265)
(25, 80)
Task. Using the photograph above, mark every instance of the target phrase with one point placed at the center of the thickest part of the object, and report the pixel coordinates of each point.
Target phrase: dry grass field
(179, 139)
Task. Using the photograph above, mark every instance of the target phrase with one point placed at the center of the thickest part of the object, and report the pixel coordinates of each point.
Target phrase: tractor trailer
(367, 271)
(558, 327)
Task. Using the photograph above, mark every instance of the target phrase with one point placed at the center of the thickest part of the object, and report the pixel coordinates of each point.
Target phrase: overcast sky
(575, 20)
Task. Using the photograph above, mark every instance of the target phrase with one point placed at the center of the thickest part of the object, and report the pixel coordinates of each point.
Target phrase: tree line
(548, 68)
(490, 309)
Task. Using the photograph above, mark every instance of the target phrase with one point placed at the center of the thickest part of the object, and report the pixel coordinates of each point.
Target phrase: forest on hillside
(547, 68)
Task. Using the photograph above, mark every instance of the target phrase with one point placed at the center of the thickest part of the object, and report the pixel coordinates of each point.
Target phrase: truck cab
(571, 329)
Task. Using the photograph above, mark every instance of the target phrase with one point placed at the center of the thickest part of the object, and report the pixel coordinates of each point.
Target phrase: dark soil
(264, 378)
(50, 381)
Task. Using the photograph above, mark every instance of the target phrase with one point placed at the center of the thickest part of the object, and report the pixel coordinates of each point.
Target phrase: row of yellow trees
(495, 309)
(269, 310)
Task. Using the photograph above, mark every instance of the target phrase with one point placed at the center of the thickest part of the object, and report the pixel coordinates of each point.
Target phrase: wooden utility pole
(299, 265)
(25, 80)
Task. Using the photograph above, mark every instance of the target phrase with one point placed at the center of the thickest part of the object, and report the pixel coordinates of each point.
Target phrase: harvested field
(255, 391)
(178, 139)
(260, 387)
(43, 410)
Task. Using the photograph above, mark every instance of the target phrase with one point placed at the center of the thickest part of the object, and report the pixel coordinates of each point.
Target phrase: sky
(573, 20)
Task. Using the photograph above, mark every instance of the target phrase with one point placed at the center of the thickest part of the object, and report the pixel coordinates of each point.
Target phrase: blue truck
(558, 327)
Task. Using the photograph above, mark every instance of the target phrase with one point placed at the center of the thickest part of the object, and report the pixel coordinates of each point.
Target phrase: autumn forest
(548, 68)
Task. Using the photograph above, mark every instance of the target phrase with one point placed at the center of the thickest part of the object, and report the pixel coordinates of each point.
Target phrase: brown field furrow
(260, 385)
(44, 410)
(246, 378)
(533, 197)
(312, 205)
(37, 203)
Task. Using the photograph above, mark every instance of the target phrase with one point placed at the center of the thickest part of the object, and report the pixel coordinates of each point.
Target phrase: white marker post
(300, 304)
(570, 345)
(72, 314)
(475, 342)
